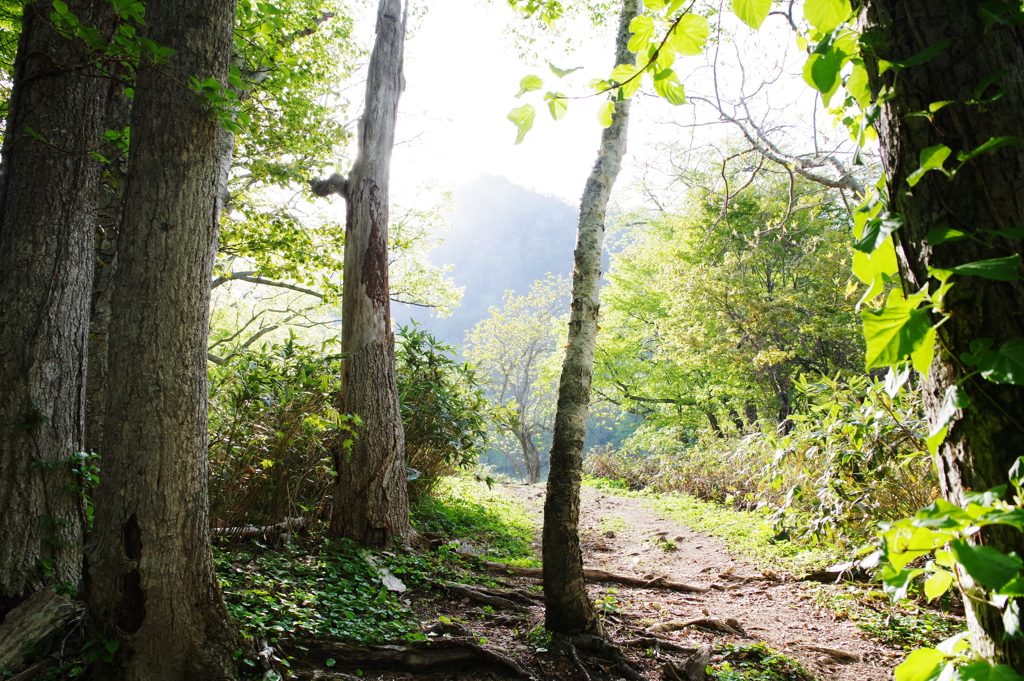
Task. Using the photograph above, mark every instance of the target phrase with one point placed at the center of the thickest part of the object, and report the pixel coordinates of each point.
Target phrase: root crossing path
(622, 535)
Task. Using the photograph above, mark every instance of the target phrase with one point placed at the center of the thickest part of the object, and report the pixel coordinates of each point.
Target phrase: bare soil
(623, 536)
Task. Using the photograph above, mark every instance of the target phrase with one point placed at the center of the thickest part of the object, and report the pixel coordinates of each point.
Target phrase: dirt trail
(622, 535)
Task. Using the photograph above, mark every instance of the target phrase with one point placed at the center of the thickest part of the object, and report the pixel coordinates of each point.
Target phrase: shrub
(271, 432)
(854, 456)
(444, 411)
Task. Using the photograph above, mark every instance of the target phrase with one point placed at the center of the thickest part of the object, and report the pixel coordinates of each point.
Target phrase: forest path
(624, 536)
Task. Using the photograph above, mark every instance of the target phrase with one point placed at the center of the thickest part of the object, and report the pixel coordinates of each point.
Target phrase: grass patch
(749, 533)
(757, 662)
(462, 507)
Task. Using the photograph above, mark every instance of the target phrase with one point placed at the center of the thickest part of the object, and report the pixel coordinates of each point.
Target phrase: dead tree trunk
(371, 501)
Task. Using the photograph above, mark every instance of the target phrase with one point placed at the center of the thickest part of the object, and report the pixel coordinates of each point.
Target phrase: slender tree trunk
(371, 501)
(987, 194)
(153, 586)
(531, 457)
(568, 609)
(716, 427)
(47, 217)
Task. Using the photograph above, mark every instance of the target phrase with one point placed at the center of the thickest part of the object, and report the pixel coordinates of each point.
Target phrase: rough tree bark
(371, 501)
(152, 581)
(568, 609)
(47, 217)
(987, 194)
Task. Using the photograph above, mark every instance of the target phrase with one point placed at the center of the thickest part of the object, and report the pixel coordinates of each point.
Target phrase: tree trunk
(568, 610)
(47, 217)
(153, 586)
(987, 194)
(371, 500)
(108, 225)
(531, 457)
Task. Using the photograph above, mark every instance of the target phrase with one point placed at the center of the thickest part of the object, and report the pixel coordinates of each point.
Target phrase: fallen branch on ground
(437, 654)
(729, 626)
(598, 575)
(275, 533)
(41, 613)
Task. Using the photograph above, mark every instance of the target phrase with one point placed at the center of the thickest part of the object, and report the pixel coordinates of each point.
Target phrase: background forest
(327, 378)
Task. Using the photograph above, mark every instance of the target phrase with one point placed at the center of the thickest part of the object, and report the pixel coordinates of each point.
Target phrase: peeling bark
(371, 502)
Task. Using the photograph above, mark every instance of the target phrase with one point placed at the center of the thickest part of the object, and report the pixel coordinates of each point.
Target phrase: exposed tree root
(729, 626)
(597, 575)
(657, 642)
(495, 597)
(694, 669)
(600, 646)
(438, 654)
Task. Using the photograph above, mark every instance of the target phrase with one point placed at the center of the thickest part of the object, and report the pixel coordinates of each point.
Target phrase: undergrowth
(465, 508)
(757, 662)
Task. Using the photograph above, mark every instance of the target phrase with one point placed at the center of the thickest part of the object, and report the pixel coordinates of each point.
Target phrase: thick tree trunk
(108, 225)
(152, 581)
(987, 194)
(371, 501)
(568, 609)
(47, 217)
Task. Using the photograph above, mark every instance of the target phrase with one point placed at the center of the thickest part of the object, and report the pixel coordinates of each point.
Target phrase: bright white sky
(461, 77)
(462, 74)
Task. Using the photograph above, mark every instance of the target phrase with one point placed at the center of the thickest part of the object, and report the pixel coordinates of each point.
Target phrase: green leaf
(984, 671)
(937, 584)
(825, 15)
(1005, 365)
(666, 85)
(821, 71)
(523, 118)
(752, 12)
(877, 230)
(529, 84)
(991, 145)
(60, 7)
(1000, 269)
(931, 158)
(896, 331)
(857, 84)
(934, 441)
(690, 34)
(643, 31)
(940, 235)
(987, 566)
(924, 664)
(556, 105)
(605, 113)
(562, 73)
(626, 76)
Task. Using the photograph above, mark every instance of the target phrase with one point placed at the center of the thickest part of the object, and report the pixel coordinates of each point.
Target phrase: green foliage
(908, 624)
(332, 593)
(715, 308)
(444, 411)
(517, 352)
(463, 507)
(272, 428)
(757, 662)
(941, 533)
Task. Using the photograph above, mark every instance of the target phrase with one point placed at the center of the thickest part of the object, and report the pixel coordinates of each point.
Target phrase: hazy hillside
(504, 237)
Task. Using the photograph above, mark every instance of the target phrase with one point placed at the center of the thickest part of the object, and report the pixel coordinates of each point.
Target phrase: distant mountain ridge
(503, 237)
